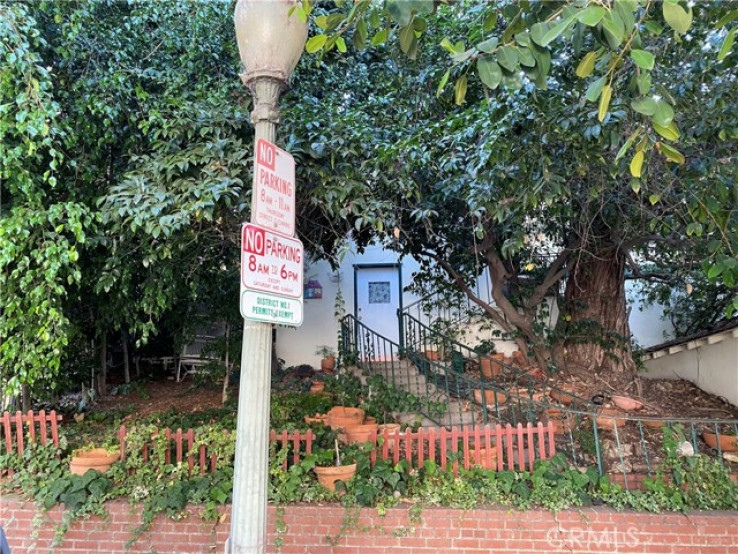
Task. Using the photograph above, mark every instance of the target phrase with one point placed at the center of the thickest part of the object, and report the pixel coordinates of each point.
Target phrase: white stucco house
(372, 283)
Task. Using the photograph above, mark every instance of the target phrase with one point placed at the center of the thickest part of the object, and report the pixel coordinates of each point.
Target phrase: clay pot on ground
(432, 355)
(317, 387)
(490, 365)
(317, 418)
(341, 417)
(94, 458)
(728, 443)
(392, 429)
(368, 420)
(525, 394)
(489, 397)
(327, 476)
(653, 423)
(479, 457)
(607, 419)
(626, 403)
(327, 364)
(357, 433)
(563, 422)
(520, 358)
(561, 397)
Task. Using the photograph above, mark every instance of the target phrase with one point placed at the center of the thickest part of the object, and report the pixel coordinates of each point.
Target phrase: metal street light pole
(270, 42)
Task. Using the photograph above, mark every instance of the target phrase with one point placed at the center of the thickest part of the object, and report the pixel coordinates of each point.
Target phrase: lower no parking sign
(271, 276)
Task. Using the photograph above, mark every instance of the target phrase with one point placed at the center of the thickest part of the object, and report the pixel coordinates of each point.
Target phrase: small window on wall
(379, 292)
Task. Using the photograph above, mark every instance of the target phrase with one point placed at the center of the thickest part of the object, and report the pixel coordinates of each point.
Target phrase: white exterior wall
(647, 323)
(710, 363)
(320, 327)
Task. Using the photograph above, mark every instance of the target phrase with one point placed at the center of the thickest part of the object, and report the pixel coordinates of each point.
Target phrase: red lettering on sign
(253, 240)
(266, 154)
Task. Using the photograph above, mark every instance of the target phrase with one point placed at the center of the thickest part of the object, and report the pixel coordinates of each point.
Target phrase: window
(379, 292)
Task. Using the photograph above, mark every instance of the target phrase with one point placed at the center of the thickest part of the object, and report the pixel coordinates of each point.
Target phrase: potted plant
(317, 386)
(328, 363)
(728, 441)
(489, 360)
(88, 458)
(328, 475)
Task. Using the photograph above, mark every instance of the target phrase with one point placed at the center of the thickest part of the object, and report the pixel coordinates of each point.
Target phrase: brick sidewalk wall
(439, 530)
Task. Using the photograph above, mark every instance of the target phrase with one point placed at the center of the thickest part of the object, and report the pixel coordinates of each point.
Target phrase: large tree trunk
(594, 315)
(126, 364)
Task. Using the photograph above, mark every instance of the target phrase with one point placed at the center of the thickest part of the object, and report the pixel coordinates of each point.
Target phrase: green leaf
(636, 164)
(586, 66)
(321, 21)
(595, 88)
(635, 184)
(451, 48)
(677, 17)
(538, 31)
(460, 90)
(554, 32)
(727, 44)
(642, 58)
(644, 82)
(443, 82)
(714, 271)
(614, 24)
(645, 105)
(489, 72)
(508, 58)
(670, 132)
(488, 45)
(672, 154)
(315, 43)
(732, 15)
(379, 38)
(604, 102)
(654, 27)
(592, 15)
(624, 148)
(407, 36)
(341, 44)
(654, 198)
(663, 114)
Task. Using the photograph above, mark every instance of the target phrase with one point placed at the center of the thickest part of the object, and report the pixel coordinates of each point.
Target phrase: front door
(377, 298)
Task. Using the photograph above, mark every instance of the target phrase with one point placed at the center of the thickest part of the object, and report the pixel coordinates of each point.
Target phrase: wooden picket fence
(17, 427)
(498, 447)
(516, 447)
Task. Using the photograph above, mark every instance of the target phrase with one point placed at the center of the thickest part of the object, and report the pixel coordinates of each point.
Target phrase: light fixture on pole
(270, 42)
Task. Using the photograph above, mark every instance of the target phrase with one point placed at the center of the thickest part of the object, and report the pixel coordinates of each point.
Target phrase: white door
(378, 298)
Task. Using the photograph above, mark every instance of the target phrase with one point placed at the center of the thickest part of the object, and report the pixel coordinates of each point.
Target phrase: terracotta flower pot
(95, 458)
(317, 387)
(392, 429)
(561, 397)
(479, 457)
(728, 443)
(369, 420)
(357, 433)
(491, 365)
(562, 421)
(327, 364)
(653, 423)
(341, 417)
(520, 358)
(626, 403)
(607, 419)
(317, 418)
(489, 397)
(432, 355)
(327, 476)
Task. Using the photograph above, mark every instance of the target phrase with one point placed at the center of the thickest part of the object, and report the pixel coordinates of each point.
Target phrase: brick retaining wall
(440, 530)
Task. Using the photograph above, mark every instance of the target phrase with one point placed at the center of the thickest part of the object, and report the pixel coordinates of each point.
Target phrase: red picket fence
(179, 445)
(17, 427)
(508, 447)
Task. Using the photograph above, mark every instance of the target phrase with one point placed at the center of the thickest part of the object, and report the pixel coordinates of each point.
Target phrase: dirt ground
(160, 396)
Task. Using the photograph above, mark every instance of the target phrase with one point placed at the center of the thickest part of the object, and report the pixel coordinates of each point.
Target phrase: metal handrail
(583, 433)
